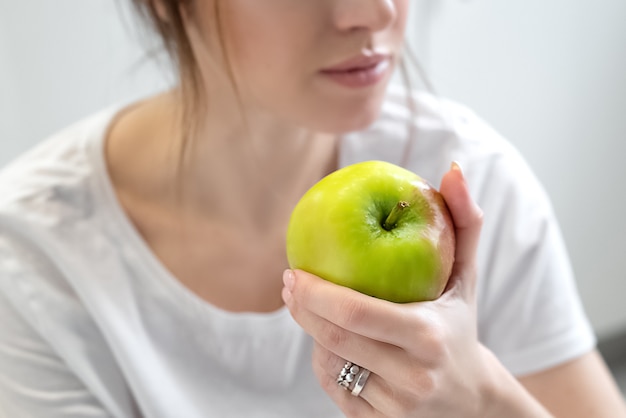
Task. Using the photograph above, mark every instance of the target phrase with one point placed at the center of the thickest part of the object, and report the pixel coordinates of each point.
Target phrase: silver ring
(347, 375)
(361, 380)
(353, 377)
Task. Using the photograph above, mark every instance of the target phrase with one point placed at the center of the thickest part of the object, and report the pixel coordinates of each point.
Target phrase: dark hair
(171, 30)
(174, 40)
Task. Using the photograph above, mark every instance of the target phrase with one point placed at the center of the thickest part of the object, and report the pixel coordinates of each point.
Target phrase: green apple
(377, 228)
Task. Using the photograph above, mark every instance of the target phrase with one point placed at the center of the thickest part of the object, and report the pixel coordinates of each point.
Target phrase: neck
(230, 165)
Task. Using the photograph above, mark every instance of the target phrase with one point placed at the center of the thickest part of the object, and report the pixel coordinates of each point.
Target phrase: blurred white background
(550, 76)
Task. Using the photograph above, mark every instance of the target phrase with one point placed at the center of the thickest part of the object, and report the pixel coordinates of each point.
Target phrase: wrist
(504, 395)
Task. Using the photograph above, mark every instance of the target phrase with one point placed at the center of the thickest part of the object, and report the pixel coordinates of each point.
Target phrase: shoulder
(431, 132)
(47, 184)
(45, 203)
(43, 195)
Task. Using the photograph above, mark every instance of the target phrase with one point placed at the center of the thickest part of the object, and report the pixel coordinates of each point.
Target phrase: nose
(371, 15)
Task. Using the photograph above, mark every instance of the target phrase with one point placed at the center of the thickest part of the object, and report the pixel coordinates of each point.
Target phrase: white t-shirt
(93, 325)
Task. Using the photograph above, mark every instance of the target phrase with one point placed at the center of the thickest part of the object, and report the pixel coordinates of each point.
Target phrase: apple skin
(336, 232)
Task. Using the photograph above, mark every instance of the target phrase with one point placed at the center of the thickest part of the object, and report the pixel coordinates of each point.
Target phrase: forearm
(580, 388)
(506, 397)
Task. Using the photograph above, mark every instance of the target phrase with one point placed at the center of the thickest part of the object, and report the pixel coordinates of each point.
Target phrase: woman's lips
(361, 71)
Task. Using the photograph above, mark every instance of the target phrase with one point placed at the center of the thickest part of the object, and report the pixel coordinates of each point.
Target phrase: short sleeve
(46, 369)
(530, 313)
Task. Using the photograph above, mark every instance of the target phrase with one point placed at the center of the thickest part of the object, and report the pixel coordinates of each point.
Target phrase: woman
(142, 248)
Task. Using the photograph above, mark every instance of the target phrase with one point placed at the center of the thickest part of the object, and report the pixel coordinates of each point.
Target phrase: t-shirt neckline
(135, 242)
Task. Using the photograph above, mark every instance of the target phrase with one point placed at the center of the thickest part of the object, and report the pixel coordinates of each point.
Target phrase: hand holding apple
(376, 228)
(425, 358)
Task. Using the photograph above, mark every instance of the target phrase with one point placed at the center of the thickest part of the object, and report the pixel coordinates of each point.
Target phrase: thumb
(468, 219)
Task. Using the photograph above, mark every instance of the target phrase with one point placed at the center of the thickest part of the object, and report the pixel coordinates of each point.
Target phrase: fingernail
(288, 279)
(456, 166)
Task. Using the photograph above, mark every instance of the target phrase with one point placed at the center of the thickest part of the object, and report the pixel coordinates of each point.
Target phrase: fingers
(388, 362)
(467, 217)
(327, 366)
(373, 318)
(375, 355)
(379, 395)
(402, 345)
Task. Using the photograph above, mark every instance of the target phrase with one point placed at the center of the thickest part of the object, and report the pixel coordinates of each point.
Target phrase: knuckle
(325, 360)
(422, 385)
(352, 312)
(334, 337)
(435, 343)
(430, 341)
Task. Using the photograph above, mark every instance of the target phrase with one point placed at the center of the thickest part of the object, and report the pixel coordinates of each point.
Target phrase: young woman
(142, 250)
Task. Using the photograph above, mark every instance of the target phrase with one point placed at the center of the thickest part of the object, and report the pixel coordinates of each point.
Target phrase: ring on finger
(353, 377)
(360, 382)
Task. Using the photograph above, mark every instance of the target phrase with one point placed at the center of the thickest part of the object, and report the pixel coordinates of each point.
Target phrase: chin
(348, 118)
(356, 123)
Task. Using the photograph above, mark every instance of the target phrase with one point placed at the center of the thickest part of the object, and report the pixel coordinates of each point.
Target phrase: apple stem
(394, 215)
